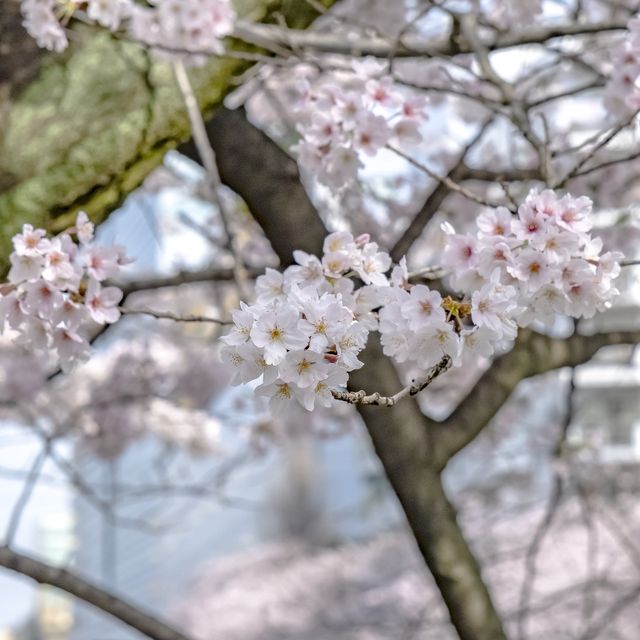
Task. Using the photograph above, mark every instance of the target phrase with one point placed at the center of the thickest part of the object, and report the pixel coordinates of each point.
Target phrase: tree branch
(411, 46)
(533, 354)
(176, 317)
(184, 277)
(436, 198)
(413, 389)
(132, 615)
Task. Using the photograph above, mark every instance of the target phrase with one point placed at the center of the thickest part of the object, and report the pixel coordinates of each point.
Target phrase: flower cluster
(181, 25)
(345, 116)
(533, 265)
(304, 333)
(193, 26)
(622, 93)
(419, 326)
(55, 290)
(308, 325)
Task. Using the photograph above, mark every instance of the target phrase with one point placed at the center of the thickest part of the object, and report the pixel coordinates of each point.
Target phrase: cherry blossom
(102, 303)
(304, 332)
(54, 290)
(549, 264)
(189, 26)
(276, 331)
(308, 325)
(42, 24)
(345, 117)
(622, 93)
(108, 13)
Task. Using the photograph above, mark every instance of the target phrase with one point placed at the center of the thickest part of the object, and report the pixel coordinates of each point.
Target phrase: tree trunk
(261, 173)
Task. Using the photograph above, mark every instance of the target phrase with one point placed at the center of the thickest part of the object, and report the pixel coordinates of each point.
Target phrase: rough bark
(408, 450)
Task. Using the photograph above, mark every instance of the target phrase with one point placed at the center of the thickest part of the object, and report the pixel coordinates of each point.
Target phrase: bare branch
(533, 354)
(448, 182)
(214, 183)
(29, 485)
(361, 397)
(596, 147)
(168, 315)
(121, 609)
(436, 198)
(184, 277)
(411, 45)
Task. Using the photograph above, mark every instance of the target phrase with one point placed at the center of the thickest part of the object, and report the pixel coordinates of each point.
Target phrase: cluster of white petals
(305, 331)
(418, 326)
(55, 290)
(192, 26)
(532, 266)
(308, 325)
(42, 21)
(350, 114)
(622, 93)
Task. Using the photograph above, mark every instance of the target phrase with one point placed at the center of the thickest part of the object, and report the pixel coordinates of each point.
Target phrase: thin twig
(445, 180)
(599, 145)
(363, 398)
(27, 490)
(168, 315)
(214, 182)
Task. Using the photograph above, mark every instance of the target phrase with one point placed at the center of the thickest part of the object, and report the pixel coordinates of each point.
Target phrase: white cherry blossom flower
(31, 242)
(372, 265)
(321, 392)
(71, 347)
(276, 331)
(102, 262)
(102, 303)
(108, 13)
(423, 307)
(270, 287)
(25, 268)
(41, 299)
(304, 368)
(495, 222)
(84, 228)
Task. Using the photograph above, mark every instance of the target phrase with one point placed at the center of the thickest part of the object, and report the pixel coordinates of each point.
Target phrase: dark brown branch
(407, 451)
(267, 179)
(533, 354)
(132, 615)
(184, 277)
(176, 317)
